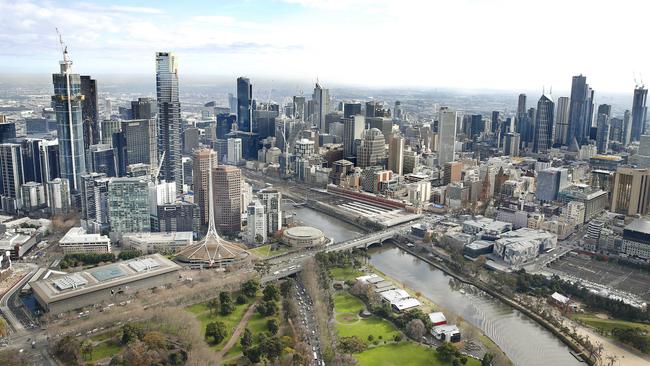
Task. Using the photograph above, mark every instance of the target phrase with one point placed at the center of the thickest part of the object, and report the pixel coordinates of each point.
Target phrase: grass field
(350, 324)
(403, 354)
(265, 250)
(257, 325)
(344, 274)
(105, 349)
(202, 313)
(609, 324)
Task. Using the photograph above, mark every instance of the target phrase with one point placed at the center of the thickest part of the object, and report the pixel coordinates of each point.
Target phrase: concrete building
(226, 181)
(11, 166)
(271, 199)
(550, 182)
(595, 200)
(104, 284)
(33, 195)
(304, 148)
(396, 154)
(452, 172)
(520, 246)
(200, 170)
(141, 138)
(371, 150)
(304, 237)
(234, 156)
(94, 202)
(631, 191)
(485, 227)
(77, 240)
(177, 216)
(352, 130)
(163, 242)
(58, 196)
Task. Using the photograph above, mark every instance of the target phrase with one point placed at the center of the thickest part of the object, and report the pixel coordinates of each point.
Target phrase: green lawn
(344, 302)
(344, 274)
(105, 349)
(609, 324)
(403, 354)
(257, 325)
(203, 315)
(265, 250)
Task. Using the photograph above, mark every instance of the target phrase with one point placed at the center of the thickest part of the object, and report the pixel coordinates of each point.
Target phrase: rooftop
(639, 225)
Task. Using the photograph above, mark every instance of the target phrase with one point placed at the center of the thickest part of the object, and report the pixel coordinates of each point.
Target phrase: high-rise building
(271, 199)
(543, 136)
(176, 217)
(562, 120)
(67, 102)
(550, 182)
(226, 186)
(371, 150)
(639, 112)
(232, 103)
(496, 121)
(128, 206)
(7, 131)
(94, 202)
(256, 231)
(452, 172)
(234, 151)
(511, 145)
(602, 133)
(102, 159)
(141, 138)
(447, 135)
(200, 178)
(321, 104)
(169, 118)
(11, 166)
(627, 128)
(631, 192)
(396, 154)
(33, 195)
(244, 105)
(299, 107)
(580, 111)
(351, 109)
(89, 111)
(143, 108)
(521, 105)
(58, 196)
(352, 130)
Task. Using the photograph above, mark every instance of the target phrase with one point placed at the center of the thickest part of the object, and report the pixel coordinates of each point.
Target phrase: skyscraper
(511, 145)
(141, 138)
(639, 112)
(226, 186)
(67, 103)
(352, 129)
(561, 121)
(128, 206)
(580, 110)
(102, 159)
(143, 108)
(89, 111)
(11, 167)
(169, 118)
(94, 202)
(244, 104)
(542, 140)
(631, 191)
(447, 135)
(627, 128)
(271, 199)
(200, 179)
(321, 103)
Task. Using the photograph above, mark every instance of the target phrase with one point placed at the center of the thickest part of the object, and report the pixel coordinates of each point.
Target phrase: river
(524, 341)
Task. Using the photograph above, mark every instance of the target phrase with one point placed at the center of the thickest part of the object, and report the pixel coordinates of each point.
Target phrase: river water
(524, 341)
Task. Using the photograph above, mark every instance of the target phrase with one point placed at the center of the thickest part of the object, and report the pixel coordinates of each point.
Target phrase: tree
(487, 359)
(273, 326)
(416, 329)
(86, 349)
(253, 354)
(246, 339)
(131, 332)
(155, 340)
(227, 306)
(136, 355)
(271, 347)
(271, 292)
(352, 344)
(250, 288)
(241, 299)
(259, 239)
(213, 306)
(267, 308)
(217, 331)
(446, 351)
(287, 286)
(67, 350)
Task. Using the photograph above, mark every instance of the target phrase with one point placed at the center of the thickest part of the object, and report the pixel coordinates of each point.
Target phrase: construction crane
(156, 173)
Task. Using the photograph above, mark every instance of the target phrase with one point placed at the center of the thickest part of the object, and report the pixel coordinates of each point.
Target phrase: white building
(234, 155)
(256, 231)
(76, 240)
(304, 148)
(58, 196)
(271, 199)
(520, 246)
(575, 212)
(419, 193)
(170, 242)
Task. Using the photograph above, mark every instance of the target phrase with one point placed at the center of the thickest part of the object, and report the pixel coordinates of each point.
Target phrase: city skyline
(286, 39)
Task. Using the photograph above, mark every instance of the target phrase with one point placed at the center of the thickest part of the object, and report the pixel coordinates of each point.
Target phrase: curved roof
(303, 232)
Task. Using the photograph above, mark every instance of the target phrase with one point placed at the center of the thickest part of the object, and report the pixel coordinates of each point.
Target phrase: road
(305, 309)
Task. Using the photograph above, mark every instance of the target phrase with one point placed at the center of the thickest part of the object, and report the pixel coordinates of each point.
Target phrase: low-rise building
(636, 239)
(170, 242)
(76, 240)
(519, 246)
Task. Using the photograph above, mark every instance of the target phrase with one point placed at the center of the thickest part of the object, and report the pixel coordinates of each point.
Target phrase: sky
(470, 44)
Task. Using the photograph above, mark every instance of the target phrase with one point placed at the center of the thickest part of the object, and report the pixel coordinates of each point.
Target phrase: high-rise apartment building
(446, 135)
(271, 199)
(67, 102)
(141, 139)
(128, 206)
(94, 202)
(602, 133)
(639, 112)
(143, 108)
(580, 111)
(234, 156)
(561, 120)
(169, 118)
(11, 166)
(58, 196)
(226, 185)
(452, 172)
(256, 231)
(89, 111)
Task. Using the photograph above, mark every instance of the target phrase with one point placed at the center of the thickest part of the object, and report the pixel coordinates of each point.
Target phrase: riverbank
(467, 330)
(577, 349)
